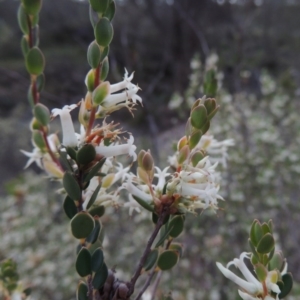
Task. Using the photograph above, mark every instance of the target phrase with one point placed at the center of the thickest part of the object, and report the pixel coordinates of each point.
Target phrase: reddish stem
(35, 93)
(30, 32)
(97, 81)
(54, 158)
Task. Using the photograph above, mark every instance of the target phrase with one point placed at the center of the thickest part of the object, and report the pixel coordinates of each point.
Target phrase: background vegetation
(168, 44)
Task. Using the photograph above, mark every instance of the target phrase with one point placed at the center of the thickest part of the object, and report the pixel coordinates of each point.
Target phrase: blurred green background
(169, 44)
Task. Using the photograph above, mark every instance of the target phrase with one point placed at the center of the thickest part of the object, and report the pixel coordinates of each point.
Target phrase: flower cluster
(252, 288)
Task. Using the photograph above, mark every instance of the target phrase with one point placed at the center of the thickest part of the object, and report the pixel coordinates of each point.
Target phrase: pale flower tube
(68, 131)
(115, 150)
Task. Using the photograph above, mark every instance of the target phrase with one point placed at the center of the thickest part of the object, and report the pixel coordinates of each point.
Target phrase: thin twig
(158, 278)
(137, 273)
(155, 286)
(147, 283)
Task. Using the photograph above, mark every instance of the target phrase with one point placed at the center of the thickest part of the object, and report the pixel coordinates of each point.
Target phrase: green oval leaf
(93, 55)
(93, 237)
(82, 225)
(82, 291)
(83, 262)
(104, 69)
(151, 259)
(42, 114)
(167, 260)
(287, 285)
(99, 6)
(35, 61)
(71, 186)
(266, 244)
(103, 32)
(100, 92)
(110, 12)
(97, 211)
(97, 259)
(69, 207)
(143, 203)
(100, 277)
(195, 138)
(86, 154)
(93, 197)
(177, 225)
(22, 20)
(32, 7)
(38, 139)
(199, 116)
(95, 170)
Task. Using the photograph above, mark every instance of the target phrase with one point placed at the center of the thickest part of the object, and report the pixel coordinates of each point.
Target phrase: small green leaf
(266, 244)
(151, 259)
(90, 80)
(258, 232)
(24, 46)
(71, 186)
(261, 272)
(195, 138)
(210, 105)
(104, 69)
(265, 228)
(83, 262)
(277, 261)
(93, 55)
(71, 152)
(253, 234)
(35, 61)
(197, 156)
(32, 7)
(199, 116)
(143, 203)
(94, 235)
(86, 154)
(94, 196)
(253, 249)
(94, 171)
(42, 114)
(82, 225)
(82, 291)
(97, 259)
(177, 225)
(110, 12)
(22, 20)
(103, 32)
(104, 53)
(69, 207)
(99, 6)
(167, 260)
(177, 247)
(100, 277)
(40, 82)
(97, 211)
(287, 285)
(165, 232)
(38, 139)
(100, 93)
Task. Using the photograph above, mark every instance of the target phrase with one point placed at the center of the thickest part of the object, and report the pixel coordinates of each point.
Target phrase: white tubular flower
(132, 205)
(69, 135)
(252, 289)
(115, 99)
(217, 150)
(196, 187)
(126, 98)
(135, 191)
(37, 155)
(115, 150)
(161, 175)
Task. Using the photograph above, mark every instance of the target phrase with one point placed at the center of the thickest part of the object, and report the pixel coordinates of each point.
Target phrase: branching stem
(143, 258)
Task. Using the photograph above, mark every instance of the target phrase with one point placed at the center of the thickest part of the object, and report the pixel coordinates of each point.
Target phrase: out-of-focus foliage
(33, 233)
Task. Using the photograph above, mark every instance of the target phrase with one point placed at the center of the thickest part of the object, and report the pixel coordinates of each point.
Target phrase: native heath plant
(85, 162)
